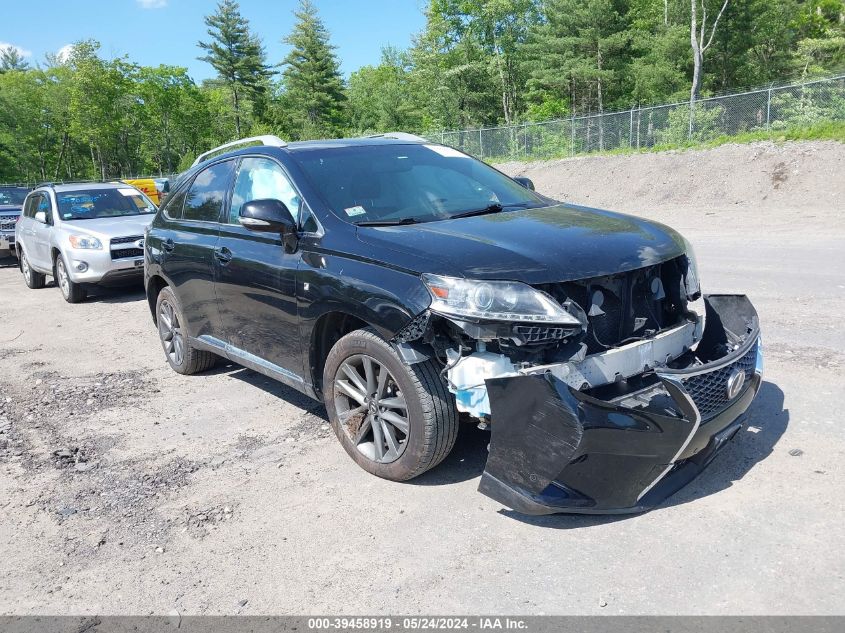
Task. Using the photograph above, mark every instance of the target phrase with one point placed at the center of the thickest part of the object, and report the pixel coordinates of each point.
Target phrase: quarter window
(204, 201)
(173, 206)
(261, 179)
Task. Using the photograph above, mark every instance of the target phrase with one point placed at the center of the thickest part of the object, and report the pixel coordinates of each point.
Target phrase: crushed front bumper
(627, 447)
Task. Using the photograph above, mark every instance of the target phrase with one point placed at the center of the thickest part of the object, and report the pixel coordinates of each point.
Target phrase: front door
(256, 278)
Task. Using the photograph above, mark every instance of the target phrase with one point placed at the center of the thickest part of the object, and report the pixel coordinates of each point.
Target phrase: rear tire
(180, 355)
(395, 420)
(34, 280)
(71, 291)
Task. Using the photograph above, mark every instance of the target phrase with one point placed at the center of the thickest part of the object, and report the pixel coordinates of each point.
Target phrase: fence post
(769, 110)
(631, 129)
(480, 144)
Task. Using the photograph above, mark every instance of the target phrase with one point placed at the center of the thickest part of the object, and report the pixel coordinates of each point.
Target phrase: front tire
(32, 279)
(181, 356)
(395, 420)
(71, 291)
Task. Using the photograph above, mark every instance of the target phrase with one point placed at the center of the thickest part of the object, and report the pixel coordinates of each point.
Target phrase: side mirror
(40, 216)
(267, 216)
(525, 182)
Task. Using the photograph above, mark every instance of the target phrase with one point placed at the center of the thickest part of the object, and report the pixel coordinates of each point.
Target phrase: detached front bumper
(626, 447)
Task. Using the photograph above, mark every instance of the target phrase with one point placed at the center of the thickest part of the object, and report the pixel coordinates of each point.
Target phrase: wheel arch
(328, 329)
(154, 285)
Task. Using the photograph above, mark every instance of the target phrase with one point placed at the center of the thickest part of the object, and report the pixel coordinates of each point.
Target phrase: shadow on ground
(273, 387)
(116, 294)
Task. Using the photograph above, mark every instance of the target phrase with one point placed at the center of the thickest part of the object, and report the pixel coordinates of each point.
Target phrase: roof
(83, 186)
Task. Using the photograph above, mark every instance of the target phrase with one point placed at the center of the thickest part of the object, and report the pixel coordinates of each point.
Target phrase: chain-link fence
(768, 109)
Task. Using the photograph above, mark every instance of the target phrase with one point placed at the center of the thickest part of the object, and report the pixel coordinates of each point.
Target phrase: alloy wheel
(63, 279)
(27, 271)
(371, 408)
(170, 331)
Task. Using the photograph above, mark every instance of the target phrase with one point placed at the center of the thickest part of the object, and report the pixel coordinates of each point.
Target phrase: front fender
(385, 298)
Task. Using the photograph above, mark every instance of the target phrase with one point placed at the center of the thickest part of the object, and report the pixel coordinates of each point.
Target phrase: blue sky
(156, 32)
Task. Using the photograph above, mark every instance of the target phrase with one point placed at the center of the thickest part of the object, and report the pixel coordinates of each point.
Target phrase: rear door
(187, 238)
(256, 278)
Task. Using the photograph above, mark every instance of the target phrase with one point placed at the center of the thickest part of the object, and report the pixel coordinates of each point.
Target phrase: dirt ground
(128, 489)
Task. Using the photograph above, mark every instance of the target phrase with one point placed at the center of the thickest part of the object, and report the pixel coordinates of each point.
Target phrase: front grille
(122, 253)
(7, 223)
(540, 334)
(709, 390)
(126, 240)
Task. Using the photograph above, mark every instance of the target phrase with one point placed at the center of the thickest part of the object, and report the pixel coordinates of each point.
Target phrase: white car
(83, 234)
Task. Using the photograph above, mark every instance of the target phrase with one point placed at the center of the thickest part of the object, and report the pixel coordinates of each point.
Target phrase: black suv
(406, 284)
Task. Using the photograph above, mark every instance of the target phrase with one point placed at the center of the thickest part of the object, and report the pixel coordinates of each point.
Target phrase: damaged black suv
(406, 284)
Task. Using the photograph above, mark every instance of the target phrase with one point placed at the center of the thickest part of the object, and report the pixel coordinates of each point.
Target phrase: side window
(204, 201)
(29, 206)
(260, 179)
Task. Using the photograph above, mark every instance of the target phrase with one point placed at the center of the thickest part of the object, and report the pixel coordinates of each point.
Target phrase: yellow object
(148, 187)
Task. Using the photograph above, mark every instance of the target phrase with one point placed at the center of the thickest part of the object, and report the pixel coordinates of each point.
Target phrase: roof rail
(399, 136)
(267, 139)
(53, 183)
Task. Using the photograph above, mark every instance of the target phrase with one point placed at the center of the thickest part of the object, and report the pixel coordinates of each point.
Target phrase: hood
(107, 228)
(552, 244)
(10, 209)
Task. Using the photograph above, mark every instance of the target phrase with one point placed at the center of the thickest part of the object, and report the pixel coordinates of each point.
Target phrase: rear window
(89, 204)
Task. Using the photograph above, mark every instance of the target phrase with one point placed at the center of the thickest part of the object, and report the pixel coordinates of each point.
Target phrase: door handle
(168, 245)
(223, 255)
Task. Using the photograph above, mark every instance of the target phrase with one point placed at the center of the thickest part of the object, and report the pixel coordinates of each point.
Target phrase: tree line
(476, 63)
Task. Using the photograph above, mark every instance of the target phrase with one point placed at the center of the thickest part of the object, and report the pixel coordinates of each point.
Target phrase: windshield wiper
(490, 208)
(387, 222)
(495, 207)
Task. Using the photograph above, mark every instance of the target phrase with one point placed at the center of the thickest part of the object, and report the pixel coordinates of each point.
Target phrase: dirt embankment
(751, 180)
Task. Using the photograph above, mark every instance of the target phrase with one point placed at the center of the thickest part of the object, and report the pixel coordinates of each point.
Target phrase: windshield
(89, 204)
(392, 183)
(12, 195)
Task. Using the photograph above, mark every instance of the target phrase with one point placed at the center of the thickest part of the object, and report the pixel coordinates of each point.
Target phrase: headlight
(494, 301)
(692, 286)
(85, 241)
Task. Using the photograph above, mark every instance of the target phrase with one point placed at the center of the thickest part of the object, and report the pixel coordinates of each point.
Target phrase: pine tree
(11, 59)
(314, 97)
(236, 54)
(580, 53)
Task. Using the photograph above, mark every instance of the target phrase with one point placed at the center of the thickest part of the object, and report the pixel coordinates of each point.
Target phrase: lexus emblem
(735, 382)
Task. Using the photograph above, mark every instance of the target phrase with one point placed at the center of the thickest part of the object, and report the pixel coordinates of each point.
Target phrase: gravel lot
(128, 489)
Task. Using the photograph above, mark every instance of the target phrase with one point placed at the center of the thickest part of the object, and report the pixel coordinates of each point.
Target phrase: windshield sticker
(353, 211)
(128, 192)
(448, 152)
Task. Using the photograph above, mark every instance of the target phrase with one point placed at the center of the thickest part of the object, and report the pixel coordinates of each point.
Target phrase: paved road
(199, 493)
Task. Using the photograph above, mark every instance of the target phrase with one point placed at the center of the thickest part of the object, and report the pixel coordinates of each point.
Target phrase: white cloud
(21, 51)
(63, 54)
(152, 4)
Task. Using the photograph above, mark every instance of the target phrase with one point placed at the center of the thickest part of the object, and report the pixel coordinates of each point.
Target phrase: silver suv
(83, 234)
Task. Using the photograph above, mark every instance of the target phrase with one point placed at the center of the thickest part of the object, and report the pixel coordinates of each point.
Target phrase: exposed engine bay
(619, 326)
